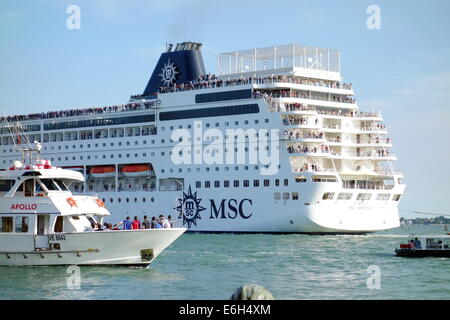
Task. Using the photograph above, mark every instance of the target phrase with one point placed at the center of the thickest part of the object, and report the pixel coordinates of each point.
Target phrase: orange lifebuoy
(100, 203)
(71, 202)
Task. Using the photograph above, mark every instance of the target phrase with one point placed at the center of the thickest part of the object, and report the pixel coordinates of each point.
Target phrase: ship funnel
(181, 65)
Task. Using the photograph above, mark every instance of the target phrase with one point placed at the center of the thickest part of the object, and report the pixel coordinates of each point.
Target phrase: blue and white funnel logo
(168, 73)
(189, 208)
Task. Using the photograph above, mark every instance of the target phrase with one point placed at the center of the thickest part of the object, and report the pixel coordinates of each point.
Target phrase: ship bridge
(290, 59)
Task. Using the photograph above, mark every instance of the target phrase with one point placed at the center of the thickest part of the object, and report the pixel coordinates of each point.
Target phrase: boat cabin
(37, 201)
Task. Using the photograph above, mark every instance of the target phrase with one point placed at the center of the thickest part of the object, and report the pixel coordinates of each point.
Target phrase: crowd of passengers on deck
(291, 120)
(211, 81)
(300, 134)
(155, 223)
(305, 149)
(79, 112)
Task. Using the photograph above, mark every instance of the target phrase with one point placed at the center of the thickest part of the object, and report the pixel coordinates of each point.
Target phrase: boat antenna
(22, 142)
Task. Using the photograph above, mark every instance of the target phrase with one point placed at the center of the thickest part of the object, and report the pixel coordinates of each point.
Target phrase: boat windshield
(61, 185)
(50, 184)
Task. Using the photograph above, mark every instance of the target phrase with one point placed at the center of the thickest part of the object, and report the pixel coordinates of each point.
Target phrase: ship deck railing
(213, 82)
(135, 106)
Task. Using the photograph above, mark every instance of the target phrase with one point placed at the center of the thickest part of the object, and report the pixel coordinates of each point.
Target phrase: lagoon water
(212, 266)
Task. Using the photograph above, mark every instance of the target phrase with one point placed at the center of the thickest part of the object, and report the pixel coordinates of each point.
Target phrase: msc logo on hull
(189, 208)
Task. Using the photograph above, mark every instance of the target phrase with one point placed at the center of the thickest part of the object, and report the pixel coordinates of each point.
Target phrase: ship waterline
(274, 143)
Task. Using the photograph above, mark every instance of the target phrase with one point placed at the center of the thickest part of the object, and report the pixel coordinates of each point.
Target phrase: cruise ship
(273, 142)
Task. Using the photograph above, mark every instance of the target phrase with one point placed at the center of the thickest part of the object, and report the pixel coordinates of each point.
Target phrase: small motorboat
(425, 246)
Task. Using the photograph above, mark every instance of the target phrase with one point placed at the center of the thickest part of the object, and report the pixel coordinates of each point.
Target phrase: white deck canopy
(278, 57)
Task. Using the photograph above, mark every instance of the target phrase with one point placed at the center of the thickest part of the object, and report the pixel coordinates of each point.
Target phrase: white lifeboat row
(131, 170)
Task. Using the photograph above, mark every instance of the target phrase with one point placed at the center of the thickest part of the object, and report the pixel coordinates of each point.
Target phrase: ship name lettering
(234, 206)
(23, 206)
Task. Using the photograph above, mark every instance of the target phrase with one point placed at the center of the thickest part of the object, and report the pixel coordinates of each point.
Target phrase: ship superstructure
(273, 142)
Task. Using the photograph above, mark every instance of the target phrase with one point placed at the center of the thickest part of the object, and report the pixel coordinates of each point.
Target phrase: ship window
(236, 183)
(328, 196)
(6, 185)
(294, 195)
(363, 196)
(277, 182)
(300, 179)
(21, 225)
(286, 182)
(209, 112)
(266, 182)
(58, 224)
(382, 196)
(256, 183)
(396, 197)
(223, 96)
(6, 224)
(198, 184)
(285, 195)
(246, 183)
(216, 184)
(344, 196)
(277, 196)
(207, 184)
(226, 183)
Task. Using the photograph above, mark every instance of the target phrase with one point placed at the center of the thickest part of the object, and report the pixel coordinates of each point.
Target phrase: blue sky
(403, 69)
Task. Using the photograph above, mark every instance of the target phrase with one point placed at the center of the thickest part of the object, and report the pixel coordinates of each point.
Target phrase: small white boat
(43, 223)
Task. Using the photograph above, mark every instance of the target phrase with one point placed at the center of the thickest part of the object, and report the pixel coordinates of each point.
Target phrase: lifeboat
(103, 172)
(137, 170)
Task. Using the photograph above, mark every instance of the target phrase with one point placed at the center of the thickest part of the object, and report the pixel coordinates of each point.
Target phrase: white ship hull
(258, 212)
(120, 247)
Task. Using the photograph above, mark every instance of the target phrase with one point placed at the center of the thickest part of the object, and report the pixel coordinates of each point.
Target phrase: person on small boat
(164, 223)
(171, 222)
(127, 224)
(417, 243)
(155, 224)
(146, 223)
(411, 244)
(136, 224)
